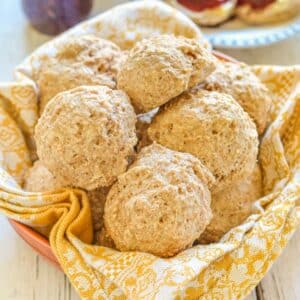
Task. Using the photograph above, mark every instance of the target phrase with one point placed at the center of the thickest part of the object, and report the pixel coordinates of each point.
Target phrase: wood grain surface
(24, 275)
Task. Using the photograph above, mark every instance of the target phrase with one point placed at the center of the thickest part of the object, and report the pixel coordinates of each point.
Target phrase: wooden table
(24, 275)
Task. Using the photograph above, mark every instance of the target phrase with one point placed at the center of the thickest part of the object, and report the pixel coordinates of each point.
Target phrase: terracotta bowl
(39, 243)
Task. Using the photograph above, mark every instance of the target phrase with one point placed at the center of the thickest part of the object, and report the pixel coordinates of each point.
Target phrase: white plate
(236, 34)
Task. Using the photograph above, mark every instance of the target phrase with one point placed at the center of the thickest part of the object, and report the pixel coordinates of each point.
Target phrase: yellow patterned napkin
(226, 270)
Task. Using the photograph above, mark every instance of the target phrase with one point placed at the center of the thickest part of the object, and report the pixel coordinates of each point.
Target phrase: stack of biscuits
(164, 139)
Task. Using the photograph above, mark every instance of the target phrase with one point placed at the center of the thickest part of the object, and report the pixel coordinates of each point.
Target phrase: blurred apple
(55, 16)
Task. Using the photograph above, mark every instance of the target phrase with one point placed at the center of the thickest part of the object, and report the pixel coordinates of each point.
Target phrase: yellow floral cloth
(226, 270)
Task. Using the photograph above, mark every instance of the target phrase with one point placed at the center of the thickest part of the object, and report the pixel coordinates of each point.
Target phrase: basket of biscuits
(146, 165)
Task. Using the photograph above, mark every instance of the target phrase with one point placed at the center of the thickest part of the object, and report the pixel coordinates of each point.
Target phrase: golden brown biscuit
(210, 15)
(276, 11)
(84, 60)
(162, 67)
(86, 135)
(160, 204)
(40, 179)
(213, 127)
(238, 81)
(232, 206)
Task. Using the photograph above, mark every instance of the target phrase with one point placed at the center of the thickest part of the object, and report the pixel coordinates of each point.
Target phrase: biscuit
(238, 81)
(213, 127)
(160, 204)
(162, 67)
(84, 60)
(210, 16)
(86, 135)
(232, 206)
(277, 11)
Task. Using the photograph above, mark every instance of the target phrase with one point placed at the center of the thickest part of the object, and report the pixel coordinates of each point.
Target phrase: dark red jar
(55, 16)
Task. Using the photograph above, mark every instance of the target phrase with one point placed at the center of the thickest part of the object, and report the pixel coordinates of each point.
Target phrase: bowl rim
(37, 241)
